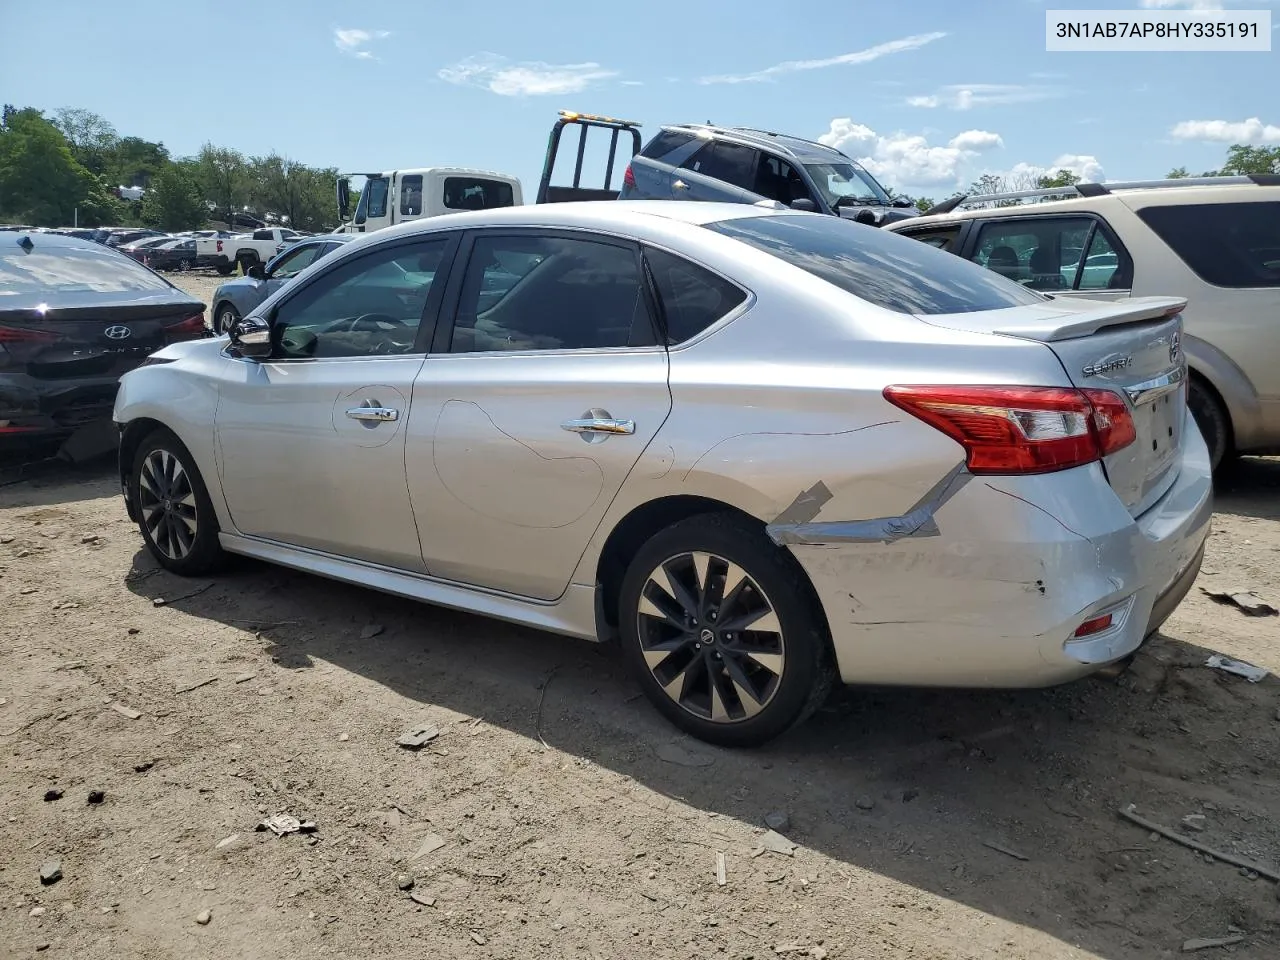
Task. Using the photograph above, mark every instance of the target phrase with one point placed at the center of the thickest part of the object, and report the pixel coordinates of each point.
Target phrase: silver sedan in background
(762, 449)
(235, 298)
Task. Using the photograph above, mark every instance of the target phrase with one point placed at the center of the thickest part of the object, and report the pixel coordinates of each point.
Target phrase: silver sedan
(763, 450)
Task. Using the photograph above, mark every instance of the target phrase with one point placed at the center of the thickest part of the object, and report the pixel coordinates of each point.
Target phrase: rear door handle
(599, 425)
(375, 414)
(680, 185)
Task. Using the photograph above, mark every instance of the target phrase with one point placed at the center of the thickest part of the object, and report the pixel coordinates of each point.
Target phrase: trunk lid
(99, 341)
(1132, 347)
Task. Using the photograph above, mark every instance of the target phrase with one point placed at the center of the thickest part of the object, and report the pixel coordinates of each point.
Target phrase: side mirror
(902, 202)
(257, 271)
(805, 204)
(251, 337)
(344, 197)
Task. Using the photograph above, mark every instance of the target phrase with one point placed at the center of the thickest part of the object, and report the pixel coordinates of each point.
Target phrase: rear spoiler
(1084, 323)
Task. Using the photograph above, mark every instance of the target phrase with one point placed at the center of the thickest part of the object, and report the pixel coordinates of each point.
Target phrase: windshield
(373, 199)
(837, 180)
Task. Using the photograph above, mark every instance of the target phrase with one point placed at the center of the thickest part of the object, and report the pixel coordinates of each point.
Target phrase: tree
(300, 195)
(174, 201)
(135, 161)
(1177, 173)
(1242, 158)
(92, 138)
(1062, 178)
(224, 180)
(41, 182)
(924, 204)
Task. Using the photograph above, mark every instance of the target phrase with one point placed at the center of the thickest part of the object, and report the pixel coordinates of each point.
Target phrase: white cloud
(1252, 130)
(966, 96)
(908, 160)
(355, 42)
(914, 42)
(532, 78)
(976, 141)
(632, 83)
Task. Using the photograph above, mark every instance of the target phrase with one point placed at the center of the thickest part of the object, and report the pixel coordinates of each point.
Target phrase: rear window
(885, 269)
(69, 269)
(474, 193)
(1226, 244)
(664, 143)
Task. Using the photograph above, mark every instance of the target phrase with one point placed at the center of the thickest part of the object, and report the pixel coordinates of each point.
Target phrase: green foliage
(1062, 178)
(174, 202)
(223, 175)
(924, 204)
(1245, 159)
(41, 182)
(1177, 173)
(301, 196)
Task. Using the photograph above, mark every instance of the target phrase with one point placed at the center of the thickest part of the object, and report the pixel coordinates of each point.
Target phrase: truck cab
(401, 195)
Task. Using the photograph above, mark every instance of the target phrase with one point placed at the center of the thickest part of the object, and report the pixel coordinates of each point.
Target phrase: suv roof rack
(1102, 189)
(756, 134)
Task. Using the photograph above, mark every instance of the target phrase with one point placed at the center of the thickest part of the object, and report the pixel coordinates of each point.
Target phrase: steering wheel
(367, 323)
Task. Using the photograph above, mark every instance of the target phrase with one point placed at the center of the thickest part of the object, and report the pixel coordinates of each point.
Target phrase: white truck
(400, 195)
(246, 249)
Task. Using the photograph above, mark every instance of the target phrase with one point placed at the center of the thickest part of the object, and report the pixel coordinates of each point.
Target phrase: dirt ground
(556, 815)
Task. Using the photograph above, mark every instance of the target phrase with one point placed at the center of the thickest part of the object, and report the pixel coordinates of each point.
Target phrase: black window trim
(747, 303)
(963, 229)
(443, 339)
(427, 324)
(1126, 268)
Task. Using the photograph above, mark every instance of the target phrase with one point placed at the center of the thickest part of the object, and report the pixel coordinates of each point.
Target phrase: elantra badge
(118, 333)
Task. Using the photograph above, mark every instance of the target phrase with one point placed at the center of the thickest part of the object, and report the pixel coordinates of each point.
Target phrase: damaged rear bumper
(984, 582)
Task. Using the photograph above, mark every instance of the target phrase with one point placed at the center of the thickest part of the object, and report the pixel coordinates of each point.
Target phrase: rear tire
(723, 631)
(224, 269)
(1212, 419)
(176, 516)
(224, 316)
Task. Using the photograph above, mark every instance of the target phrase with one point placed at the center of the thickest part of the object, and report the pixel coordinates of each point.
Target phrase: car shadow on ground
(1250, 487)
(43, 479)
(910, 784)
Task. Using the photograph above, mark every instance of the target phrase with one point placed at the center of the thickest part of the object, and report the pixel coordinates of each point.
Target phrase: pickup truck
(247, 249)
(395, 196)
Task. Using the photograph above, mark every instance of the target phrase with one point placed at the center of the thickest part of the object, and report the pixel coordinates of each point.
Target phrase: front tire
(176, 516)
(723, 631)
(1212, 420)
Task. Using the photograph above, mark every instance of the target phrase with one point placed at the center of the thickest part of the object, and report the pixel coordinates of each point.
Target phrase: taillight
(628, 178)
(1008, 430)
(23, 335)
(219, 246)
(193, 326)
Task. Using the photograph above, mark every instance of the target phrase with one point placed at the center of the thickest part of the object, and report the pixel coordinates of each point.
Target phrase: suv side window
(531, 292)
(368, 306)
(1225, 244)
(690, 297)
(778, 180)
(664, 143)
(730, 162)
(1101, 265)
(943, 238)
(1043, 253)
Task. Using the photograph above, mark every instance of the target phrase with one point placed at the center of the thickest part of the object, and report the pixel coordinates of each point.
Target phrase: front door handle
(600, 425)
(375, 414)
(680, 185)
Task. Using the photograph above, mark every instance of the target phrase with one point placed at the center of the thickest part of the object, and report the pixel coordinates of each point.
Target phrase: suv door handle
(375, 414)
(606, 425)
(680, 185)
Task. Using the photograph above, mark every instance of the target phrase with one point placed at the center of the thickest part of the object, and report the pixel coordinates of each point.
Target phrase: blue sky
(928, 93)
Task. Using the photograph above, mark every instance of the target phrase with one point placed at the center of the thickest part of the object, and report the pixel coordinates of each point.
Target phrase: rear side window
(475, 193)
(50, 271)
(890, 271)
(411, 196)
(664, 143)
(1226, 244)
(730, 162)
(692, 298)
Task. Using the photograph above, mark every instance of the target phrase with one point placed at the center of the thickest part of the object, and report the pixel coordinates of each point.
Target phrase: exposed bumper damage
(985, 580)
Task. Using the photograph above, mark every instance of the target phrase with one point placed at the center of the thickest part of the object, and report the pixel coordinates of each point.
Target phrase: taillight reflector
(1092, 626)
(23, 335)
(191, 326)
(1012, 430)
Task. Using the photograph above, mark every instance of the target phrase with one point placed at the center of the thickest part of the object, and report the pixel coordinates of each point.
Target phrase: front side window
(1043, 254)
(846, 180)
(877, 266)
(411, 196)
(691, 298)
(778, 180)
(369, 306)
(730, 162)
(531, 292)
(373, 198)
(1225, 244)
(296, 260)
(477, 193)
